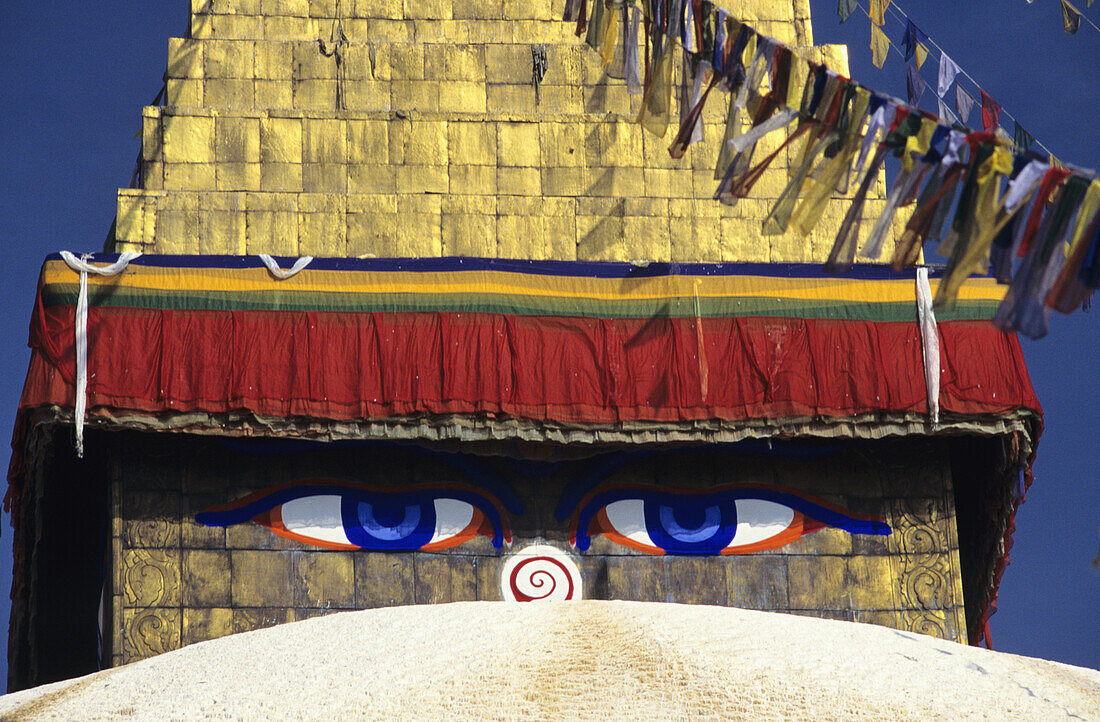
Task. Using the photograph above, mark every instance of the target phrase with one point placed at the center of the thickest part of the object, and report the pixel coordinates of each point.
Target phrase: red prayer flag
(991, 113)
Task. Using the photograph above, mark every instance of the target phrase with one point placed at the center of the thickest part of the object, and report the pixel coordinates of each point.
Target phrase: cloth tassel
(81, 266)
(930, 345)
(273, 266)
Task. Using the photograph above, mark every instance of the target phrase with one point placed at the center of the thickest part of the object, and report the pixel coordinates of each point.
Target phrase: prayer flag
(922, 54)
(880, 46)
(1021, 138)
(948, 71)
(914, 83)
(991, 112)
(1071, 18)
(963, 104)
(878, 10)
(945, 113)
(914, 38)
(845, 8)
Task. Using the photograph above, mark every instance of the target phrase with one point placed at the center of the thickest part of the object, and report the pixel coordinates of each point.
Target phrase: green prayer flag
(1021, 138)
(845, 8)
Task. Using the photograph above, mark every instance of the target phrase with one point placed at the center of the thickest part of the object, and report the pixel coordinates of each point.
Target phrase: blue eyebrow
(470, 466)
(607, 464)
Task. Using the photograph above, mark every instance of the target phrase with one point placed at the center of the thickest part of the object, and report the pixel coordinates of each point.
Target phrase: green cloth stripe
(676, 307)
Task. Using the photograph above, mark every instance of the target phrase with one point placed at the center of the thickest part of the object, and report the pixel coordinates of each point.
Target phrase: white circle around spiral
(540, 573)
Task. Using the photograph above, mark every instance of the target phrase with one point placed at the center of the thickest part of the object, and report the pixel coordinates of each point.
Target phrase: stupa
(422, 314)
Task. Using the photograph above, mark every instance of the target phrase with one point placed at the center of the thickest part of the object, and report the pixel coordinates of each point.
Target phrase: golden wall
(429, 138)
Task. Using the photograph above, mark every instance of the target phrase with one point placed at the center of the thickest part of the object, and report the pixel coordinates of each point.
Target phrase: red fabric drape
(571, 370)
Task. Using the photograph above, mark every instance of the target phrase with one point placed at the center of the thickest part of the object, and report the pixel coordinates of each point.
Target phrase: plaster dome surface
(572, 660)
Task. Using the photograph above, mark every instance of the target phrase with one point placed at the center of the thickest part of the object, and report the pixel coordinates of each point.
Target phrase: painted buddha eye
(730, 520)
(342, 515)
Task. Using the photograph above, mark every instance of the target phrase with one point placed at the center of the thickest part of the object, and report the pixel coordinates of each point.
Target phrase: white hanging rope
(930, 344)
(280, 273)
(81, 266)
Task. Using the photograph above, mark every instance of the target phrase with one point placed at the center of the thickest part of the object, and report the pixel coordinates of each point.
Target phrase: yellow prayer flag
(609, 35)
(1085, 214)
(922, 55)
(797, 82)
(878, 11)
(880, 46)
(919, 143)
(749, 51)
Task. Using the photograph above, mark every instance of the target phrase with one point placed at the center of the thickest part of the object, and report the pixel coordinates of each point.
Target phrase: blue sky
(75, 75)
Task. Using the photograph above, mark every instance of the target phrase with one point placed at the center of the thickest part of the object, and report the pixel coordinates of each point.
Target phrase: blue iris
(681, 525)
(388, 523)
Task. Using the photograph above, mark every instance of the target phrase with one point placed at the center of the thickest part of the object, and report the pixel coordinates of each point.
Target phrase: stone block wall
(431, 138)
(177, 582)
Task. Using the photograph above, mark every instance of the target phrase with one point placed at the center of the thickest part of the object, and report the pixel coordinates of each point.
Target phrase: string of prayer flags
(880, 46)
(987, 200)
(845, 8)
(991, 112)
(1071, 17)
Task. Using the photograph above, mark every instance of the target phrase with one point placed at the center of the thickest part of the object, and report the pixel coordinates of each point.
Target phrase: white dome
(572, 660)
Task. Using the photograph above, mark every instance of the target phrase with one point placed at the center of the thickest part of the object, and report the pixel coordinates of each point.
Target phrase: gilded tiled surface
(204, 582)
(431, 140)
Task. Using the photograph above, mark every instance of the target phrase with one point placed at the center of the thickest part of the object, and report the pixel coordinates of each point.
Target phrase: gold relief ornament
(150, 578)
(152, 632)
(925, 585)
